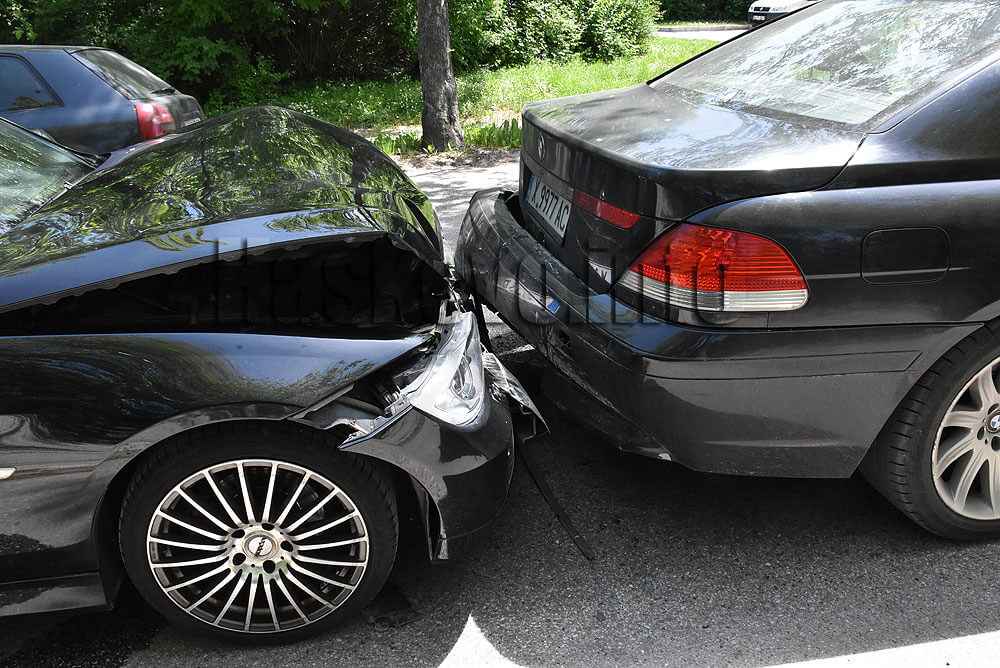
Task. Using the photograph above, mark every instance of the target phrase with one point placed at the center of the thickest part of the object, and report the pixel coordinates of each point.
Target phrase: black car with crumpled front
(232, 359)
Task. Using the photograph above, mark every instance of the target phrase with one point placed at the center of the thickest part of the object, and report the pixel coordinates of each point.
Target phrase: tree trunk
(440, 120)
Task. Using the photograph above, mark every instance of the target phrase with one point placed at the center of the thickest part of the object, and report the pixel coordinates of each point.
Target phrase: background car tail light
(607, 212)
(154, 120)
(713, 269)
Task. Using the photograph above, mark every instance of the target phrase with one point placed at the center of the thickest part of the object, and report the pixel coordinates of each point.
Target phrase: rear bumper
(797, 403)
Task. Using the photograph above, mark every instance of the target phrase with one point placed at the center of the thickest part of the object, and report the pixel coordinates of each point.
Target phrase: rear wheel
(258, 535)
(938, 459)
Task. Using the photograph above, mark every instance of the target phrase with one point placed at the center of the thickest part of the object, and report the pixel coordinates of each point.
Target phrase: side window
(20, 87)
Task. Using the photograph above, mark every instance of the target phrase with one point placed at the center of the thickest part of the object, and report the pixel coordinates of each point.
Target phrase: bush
(546, 29)
(229, 52)
(616, 28)
(233, 52)
(248, 83)
(500, 33)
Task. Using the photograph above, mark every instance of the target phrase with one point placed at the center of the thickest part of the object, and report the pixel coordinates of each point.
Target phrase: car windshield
(32, 170)
(846, 61)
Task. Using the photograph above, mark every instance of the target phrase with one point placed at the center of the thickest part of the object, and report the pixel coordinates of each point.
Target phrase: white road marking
(976, 650)
(473, 649)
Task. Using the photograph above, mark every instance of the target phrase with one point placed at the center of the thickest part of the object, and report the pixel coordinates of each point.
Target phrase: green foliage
(704, 10)
(616, 28)
(546, 29)
(490, 100)
(499, 33)
(248, 83)
(14, 23)
(371, 104)
(506, 134)
(404, 143)
(231, 53)
(234, 52)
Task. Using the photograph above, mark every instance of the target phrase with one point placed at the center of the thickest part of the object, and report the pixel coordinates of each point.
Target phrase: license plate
(758, 18)
(553, 208)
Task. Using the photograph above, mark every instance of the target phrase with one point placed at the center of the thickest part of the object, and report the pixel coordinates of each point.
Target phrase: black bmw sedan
(778, 258)
(229, 357)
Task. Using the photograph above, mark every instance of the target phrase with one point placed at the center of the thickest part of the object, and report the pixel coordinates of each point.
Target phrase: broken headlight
(452, 387)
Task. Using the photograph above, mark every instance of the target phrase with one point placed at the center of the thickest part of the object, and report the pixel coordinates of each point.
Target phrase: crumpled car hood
(253, 179)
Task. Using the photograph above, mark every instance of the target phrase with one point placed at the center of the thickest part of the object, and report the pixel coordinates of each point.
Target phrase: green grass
(505, 134)
(488, 100)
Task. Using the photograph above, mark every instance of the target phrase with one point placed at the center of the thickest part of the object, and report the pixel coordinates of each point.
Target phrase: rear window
(133, 81)
(845, 61)
(20, 87)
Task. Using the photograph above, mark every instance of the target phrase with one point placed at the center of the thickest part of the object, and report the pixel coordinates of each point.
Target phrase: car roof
(48, 47)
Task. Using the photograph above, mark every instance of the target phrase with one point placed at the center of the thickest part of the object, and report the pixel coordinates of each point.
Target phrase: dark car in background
(762, 11)
(90, 99)
(233, 359)
(777, 254)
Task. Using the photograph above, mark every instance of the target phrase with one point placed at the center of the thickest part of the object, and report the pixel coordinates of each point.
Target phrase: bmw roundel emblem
(995, 422)
(541, 146)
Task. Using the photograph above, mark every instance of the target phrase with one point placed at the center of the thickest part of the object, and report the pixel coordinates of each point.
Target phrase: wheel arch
(977, 336)
(411, 497)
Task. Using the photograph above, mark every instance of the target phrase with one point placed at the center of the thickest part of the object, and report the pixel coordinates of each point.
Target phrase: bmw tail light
(713, 269)
(154, 120)
(609, 213)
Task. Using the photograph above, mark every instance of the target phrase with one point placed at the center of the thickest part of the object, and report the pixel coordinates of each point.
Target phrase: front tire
(257, 533)
(938, 458)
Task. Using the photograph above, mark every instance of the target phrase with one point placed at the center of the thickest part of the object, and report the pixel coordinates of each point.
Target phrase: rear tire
(938, 457)
(258, 534)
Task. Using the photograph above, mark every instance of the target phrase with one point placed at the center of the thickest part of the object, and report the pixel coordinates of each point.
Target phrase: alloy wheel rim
(257, 546)
(966, 456)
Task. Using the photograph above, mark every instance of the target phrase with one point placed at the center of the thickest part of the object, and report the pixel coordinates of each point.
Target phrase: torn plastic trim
(361, 423)
(507, 383)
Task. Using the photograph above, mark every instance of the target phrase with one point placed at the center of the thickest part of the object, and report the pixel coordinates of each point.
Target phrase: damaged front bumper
(450, 426)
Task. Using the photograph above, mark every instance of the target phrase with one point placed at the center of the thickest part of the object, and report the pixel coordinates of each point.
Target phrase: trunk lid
(665, 156)
(184, 108)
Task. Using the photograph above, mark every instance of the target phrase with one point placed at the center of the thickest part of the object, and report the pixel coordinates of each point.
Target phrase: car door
(46, 506)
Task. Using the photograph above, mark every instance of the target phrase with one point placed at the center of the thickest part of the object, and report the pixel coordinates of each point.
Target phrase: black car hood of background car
(245, 182)
(698, 153)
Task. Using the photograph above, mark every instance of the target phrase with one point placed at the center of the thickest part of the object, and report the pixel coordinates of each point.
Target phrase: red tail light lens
(713, 269)
(606, 212)
(154, 120)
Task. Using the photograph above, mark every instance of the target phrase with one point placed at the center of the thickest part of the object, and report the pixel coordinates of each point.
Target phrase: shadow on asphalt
(95, 640)
(692, 569)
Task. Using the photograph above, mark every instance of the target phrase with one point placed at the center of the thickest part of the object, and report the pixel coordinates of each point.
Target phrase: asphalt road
(691, 570)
